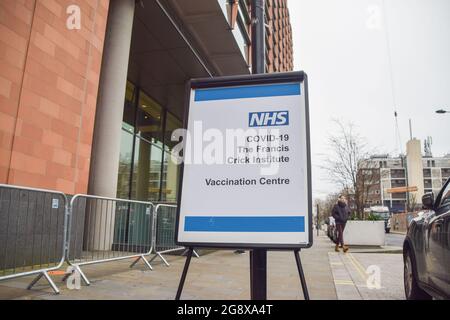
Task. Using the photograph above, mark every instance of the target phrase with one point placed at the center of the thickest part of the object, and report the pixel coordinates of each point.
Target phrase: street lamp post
(258, 257)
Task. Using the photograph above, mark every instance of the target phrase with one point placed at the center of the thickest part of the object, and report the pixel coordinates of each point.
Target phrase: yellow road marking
(344, 282)
(358, 268)
(361, 267)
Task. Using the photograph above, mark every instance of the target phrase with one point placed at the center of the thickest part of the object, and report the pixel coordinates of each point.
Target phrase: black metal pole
(317, 225)
(258, 257)
(258, 37)
(183, 275)
(301, 274)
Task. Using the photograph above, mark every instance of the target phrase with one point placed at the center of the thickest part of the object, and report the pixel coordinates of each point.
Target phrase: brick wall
(49, 79)
(400, 221)
(280, 46)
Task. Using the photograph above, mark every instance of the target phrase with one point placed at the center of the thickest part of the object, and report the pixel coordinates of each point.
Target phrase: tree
(349, 167)
(412, 204)
(326, 206)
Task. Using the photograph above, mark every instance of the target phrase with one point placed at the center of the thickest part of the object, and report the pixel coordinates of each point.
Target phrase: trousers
(340, 233)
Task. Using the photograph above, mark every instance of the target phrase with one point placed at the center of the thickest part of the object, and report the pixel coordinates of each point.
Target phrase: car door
(446, 229)
(442, 225)
(437, 242)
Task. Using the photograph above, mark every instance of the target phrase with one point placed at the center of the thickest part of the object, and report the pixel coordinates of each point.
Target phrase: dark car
(426, 250)
(331, 229)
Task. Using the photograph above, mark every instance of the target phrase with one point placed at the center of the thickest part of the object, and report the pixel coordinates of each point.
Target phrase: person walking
(341, 213)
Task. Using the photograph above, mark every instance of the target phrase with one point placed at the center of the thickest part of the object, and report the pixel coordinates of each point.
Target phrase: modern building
(91, 90)
(425, 172)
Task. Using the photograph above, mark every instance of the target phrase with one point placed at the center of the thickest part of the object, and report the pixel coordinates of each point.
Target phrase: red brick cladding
(49, 79)
(279, 51)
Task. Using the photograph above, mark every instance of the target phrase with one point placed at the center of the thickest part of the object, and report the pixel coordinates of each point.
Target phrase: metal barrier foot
(31, 285)
(145, 261)
(83, 276)
(196, 254)
(161, 257)
(50, 281)
(64, 279)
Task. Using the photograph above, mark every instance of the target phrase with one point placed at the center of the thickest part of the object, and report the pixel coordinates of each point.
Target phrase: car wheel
(412, 289)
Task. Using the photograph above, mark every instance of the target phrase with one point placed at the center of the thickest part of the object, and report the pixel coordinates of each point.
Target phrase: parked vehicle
(382, 213)
(331, 229)
(426, 249)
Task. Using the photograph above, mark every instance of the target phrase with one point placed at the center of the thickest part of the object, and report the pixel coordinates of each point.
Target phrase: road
(394, 239)
(367, 276)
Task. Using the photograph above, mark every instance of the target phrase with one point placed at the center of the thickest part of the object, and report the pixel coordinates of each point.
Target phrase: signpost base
(258, 290)
(258, 274)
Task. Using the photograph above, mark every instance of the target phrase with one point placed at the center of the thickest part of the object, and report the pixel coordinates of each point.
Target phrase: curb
(394, 250)
(403, 233)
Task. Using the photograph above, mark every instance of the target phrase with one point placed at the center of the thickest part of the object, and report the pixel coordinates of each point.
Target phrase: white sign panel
(246, 173)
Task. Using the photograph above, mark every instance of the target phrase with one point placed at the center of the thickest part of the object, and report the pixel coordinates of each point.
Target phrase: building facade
(394, 172)
(279, 53)
(49, 76)
(91, 90)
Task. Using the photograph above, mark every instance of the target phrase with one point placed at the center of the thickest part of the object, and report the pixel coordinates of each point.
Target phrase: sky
(366, 59)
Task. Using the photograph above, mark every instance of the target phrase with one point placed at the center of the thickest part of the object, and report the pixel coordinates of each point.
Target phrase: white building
(427, 173)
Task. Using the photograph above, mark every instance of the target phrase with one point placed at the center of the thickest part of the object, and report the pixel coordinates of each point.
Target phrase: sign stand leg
(301, 273)
(258, 274)
(184, 274)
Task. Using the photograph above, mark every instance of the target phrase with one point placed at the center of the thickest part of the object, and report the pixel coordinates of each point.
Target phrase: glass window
(446, 196)
(172, 124)
(129, 111)
(238, 30)
(125, 159)
(171, 172)
(146, 171)
(241, 42)
(149, 119)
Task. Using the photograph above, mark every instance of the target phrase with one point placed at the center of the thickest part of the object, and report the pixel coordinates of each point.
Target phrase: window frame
(136, 135)
(440, 198)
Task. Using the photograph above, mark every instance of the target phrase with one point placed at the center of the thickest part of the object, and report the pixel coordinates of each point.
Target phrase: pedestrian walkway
(367, 276)
(221, 275)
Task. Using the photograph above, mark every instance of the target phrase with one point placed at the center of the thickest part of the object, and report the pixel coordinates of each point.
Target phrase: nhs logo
(268, 119)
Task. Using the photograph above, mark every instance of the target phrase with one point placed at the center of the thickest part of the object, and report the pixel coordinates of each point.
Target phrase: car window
(445, 196)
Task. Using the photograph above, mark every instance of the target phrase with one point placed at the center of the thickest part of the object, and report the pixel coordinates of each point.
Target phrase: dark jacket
(340, 213)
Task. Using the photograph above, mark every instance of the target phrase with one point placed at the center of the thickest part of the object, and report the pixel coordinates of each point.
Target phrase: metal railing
(164, 239)
(33, 232)
(40, 230)
(106, 229)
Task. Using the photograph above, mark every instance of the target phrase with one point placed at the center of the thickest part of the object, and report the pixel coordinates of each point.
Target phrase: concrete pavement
(224, 275)
(220, 275)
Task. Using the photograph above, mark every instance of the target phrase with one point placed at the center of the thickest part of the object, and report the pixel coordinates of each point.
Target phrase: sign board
(55, 203)
(402, 189)
(246, 177)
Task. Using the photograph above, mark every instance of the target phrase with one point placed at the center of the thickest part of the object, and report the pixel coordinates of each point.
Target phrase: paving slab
(220, 275)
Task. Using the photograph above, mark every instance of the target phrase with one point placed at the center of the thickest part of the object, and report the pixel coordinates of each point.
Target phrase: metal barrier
(40, 230)
(164, 238)
(106, 229)
(33, 231)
